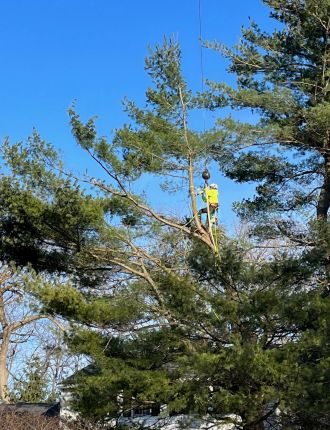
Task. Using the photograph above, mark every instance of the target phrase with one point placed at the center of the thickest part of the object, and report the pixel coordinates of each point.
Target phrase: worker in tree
(210, 196)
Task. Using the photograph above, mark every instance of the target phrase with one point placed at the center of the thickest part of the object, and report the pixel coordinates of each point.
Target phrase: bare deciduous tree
(18, 317)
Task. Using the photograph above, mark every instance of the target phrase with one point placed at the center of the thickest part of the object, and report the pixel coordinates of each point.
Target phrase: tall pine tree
(284, 78)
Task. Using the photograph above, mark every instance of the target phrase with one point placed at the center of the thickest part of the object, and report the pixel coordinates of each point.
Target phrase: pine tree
(32, 385)
(165, 334)
(283, 77)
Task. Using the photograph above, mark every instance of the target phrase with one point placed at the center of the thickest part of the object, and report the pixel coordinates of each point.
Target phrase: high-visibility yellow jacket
(211, 195)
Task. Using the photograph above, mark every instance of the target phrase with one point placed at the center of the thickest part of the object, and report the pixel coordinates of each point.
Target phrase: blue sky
(55, 52)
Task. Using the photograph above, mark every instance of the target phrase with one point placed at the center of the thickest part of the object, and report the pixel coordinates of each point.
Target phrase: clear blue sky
(54, 52)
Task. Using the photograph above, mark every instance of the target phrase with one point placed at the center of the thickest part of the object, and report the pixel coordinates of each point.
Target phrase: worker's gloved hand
(199, 191)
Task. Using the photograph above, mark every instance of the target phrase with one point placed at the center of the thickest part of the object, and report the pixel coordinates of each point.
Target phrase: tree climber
(210, 197)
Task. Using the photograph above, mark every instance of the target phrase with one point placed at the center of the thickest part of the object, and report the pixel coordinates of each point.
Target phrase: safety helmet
(215, 186)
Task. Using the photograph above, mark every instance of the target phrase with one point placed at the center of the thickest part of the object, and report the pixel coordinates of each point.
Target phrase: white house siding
(180, 422)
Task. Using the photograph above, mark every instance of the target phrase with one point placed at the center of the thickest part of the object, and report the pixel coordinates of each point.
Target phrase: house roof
(89, 370)
(35, 409)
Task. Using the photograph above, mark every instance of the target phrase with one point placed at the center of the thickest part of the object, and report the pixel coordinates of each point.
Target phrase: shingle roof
(35, 409)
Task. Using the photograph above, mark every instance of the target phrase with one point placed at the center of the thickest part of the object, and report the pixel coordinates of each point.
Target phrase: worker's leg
(200, 212)
(213, 210)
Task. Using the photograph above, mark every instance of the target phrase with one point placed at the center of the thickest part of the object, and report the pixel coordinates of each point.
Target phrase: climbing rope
(212, 227)
(201, 54)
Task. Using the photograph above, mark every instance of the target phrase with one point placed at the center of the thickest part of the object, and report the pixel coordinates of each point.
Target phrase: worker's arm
(199, 191)
(205, 195)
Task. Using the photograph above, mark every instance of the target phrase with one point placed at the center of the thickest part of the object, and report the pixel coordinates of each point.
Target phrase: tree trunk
(4, 346)
(255, 426)
(323, 203)
(3, 366)
(322, 210)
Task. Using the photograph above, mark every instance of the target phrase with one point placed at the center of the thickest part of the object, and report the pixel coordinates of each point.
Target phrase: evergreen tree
(161, 324)
(45, 218)
(283, 77)
(32, 385)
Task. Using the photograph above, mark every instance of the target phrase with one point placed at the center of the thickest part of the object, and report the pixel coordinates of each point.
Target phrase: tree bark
(256, 426)
(3, 365)
(322, 210)
(323, 203)
(4, 345)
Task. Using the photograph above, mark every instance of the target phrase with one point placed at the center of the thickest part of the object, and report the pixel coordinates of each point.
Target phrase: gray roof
(35, 409)
(89, 370)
